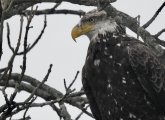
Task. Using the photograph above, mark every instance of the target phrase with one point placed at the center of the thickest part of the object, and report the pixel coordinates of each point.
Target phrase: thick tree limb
(49, 94)
(122, 17)
(46, 92)
(50, 11)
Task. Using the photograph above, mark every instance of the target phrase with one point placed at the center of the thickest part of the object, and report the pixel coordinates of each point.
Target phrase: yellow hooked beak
(79, 30)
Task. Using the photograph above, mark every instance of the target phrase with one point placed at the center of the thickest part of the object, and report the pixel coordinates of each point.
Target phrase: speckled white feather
(102, 28)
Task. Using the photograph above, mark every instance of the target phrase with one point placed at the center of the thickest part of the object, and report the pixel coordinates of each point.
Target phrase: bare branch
(159, 41)
(3, 69)
(159, 33)
(138, 22)
(5, 96)
(73, 80)
(10, 6)
(37, 40)
(154, 17)
(132, 24)
(23, 70)
(8, 37)
(64, 112)
(78, 117)
(15, 51)
(68, 89)
(33, 99)
(54, 11)
(124, 18)
(43, 81)
(23, 67)
(45, 92)
(26, 118)
(1, 34)
(75, 94)
(57, 5)
(55, 108)
(4, 12)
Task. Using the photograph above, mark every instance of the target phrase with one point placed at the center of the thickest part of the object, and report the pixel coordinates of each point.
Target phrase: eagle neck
(106, 28)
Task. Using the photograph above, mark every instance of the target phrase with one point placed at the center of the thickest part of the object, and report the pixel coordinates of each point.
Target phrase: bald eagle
(122, 77)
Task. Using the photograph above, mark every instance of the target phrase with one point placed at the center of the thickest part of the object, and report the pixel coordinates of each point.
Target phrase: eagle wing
(150, 72)
(91, 98)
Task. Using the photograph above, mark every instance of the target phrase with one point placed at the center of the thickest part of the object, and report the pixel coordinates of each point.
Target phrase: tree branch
(37, 40)
(154, 17)
(46, 92)
(50, 11)
(123, 18)
(132, 24)
(159, 33)
(39, 85)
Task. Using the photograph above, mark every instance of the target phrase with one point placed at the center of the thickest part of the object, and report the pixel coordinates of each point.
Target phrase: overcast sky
(57, 47)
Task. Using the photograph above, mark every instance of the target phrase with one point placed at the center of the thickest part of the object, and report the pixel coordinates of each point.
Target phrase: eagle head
(93, 23)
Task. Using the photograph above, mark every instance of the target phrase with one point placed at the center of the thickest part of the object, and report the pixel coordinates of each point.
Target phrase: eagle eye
(91, 20)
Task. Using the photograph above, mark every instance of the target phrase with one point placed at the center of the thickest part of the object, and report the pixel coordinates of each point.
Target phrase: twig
(3, 69)
(38, 38)
(26, 118)
(57, 5)
(9, 106)
(33, 99)
(86, 112)
(8, 38)
(154, 17)
(159, 33)
(10, 6)
(1, 34)
(54, 11)
(138, 21)
(75, 94)
(159, 41)
(73, 80)
(23, 70)
(3, 107)
(32, 93)
(23, 67)
(78, 117)
(68, 90)
(9, 75)
(4, 12)
(15, 51)
(55, 108)
(42, 104)
(6, 99)
(43, 81)
(45, 92)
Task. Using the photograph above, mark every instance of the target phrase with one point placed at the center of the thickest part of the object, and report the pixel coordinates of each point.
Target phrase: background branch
(22, 82)
(159, 33)
(154, 17)
(29, 84)
(50, 11)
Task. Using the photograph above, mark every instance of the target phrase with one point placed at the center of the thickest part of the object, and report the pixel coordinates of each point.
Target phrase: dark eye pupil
(91, 20)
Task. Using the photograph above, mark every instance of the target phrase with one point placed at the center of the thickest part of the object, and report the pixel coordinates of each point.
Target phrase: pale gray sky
(58, 48)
